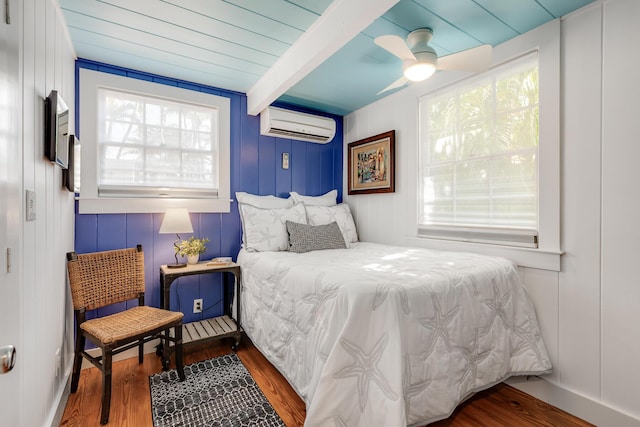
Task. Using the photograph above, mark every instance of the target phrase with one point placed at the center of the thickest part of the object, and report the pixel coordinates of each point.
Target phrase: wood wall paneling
(267, 164)
(298, 175)
(283, 177)
(45, 62)
(542, 287)
(255, 168)
(620, 207)
(579, 279)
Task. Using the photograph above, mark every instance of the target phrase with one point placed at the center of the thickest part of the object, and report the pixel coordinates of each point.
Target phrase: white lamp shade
(176, 220)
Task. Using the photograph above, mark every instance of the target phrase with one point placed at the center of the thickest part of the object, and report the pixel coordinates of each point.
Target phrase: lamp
(176, 220)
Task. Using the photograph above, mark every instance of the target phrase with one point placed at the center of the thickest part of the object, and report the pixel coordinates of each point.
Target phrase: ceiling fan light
(419, 71)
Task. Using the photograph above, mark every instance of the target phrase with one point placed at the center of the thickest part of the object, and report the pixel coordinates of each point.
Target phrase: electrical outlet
(197, 305)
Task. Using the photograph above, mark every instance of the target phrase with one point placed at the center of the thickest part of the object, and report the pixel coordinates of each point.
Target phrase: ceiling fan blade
(400, 82)
(396, 45)
(475, 59)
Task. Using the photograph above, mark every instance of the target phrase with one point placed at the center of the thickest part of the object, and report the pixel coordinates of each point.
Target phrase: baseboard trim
(582, 407)
(62, 398)
(149, 347)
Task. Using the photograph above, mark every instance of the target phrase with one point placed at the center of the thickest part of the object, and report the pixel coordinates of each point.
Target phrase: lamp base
(176, 265)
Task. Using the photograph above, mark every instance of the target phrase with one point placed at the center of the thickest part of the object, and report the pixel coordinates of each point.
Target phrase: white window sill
(90, 205)
(543, 259)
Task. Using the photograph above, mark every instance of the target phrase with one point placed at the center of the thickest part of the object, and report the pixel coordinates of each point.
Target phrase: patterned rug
(216, 392)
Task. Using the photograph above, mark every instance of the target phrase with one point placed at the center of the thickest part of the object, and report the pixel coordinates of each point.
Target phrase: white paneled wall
(579, 291)
(620, 291)
(588, 311)
(542, 287)
(47, 63)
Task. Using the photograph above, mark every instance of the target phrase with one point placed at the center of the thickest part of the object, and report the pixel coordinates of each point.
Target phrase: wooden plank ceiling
(314, 53)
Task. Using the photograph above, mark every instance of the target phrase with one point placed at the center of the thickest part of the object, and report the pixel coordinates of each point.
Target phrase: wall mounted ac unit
(294, 125)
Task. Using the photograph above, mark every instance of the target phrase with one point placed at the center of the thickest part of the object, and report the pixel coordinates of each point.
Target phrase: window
(147, 146)
(479, 158)
(153, 146)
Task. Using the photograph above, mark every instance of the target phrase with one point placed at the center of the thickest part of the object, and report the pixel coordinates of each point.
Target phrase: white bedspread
(389, 336)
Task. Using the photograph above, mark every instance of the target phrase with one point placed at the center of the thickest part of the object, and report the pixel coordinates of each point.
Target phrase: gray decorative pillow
(305, 238)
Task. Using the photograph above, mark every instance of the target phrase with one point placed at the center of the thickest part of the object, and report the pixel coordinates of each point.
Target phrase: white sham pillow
(266, 230)
(264, 202)
(322, 215)
(327, 199)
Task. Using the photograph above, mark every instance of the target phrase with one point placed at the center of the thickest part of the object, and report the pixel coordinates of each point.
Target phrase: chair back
(102, 278)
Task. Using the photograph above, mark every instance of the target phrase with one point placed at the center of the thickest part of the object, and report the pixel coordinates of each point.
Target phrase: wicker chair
(102, 278)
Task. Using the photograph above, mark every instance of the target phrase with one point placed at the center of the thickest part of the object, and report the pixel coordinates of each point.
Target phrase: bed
(388, 336)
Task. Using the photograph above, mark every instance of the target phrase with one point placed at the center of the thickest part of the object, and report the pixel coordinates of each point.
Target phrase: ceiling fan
(420, 61)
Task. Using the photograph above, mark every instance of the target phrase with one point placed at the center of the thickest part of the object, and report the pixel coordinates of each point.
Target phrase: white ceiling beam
(340, 22)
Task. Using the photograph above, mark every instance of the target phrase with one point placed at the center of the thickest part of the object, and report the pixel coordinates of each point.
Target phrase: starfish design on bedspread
(411, 389)
(528, 341)
(382, 292)
(271, 296)
(339, 422)
(473, 356)
(287, 332)
(498, 306)
(322, 356)
(365, 369)
(276, 276)
(438, 324)
(317, 300)
(474, 285)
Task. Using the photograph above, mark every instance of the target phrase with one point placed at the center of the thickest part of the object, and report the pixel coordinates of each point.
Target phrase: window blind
(478, 158)
(155, 147)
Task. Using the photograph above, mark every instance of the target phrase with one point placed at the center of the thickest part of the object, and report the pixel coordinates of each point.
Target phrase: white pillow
(264, 202)
(266, 230)
(321, 215)
(327, 199)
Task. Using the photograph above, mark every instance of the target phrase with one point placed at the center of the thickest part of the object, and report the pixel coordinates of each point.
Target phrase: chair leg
(77, 361)
(178, 348)
(106, 385)
(141, 351)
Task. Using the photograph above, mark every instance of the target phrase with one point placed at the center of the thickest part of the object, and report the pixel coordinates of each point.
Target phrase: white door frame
(10, 206)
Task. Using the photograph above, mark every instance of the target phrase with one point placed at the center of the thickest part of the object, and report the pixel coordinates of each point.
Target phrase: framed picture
(372, 164)
(68, 174)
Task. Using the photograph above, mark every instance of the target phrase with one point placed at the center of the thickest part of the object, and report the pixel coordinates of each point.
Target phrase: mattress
(389, 336)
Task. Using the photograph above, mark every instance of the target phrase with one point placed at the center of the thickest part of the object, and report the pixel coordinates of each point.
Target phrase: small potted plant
(192, 248)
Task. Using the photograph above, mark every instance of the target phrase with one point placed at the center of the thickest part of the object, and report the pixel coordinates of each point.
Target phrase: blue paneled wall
(255, 168)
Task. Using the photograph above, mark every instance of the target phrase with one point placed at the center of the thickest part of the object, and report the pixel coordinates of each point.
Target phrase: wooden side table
(212, 328)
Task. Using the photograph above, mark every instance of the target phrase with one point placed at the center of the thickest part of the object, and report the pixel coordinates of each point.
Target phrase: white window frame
(90, 201)
(546, 41)
(502, 234)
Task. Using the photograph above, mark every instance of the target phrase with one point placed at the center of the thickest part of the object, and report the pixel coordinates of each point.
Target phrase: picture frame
(68, 174)
(371, 164)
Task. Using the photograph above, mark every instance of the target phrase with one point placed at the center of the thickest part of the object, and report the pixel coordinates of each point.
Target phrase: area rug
(216, 392)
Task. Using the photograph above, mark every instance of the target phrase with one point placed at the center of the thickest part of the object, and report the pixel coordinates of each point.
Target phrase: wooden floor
(501, 405)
